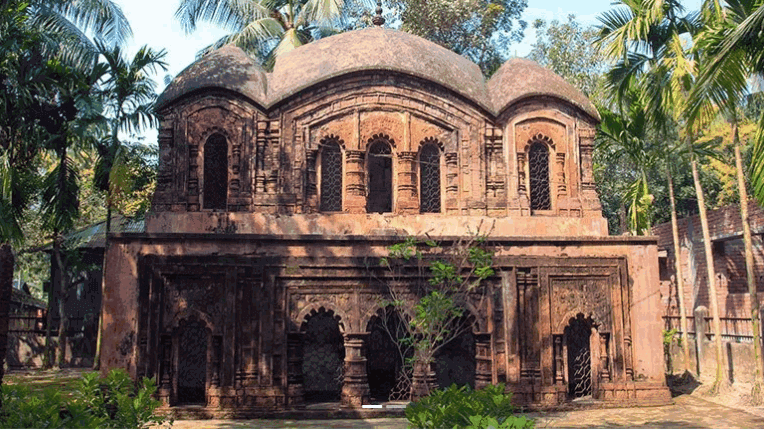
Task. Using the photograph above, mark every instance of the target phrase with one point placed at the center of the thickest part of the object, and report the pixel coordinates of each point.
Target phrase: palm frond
(102, 17)
(232, 15)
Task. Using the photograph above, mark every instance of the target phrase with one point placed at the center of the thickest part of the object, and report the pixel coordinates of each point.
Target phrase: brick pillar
(701, 312)
(355, 386)
(261, 142)
(407, 202)
(217, 347)
(355, 182)
(165, 372)
(483, 361)
(589, 197)
(604, 358)
(311, 192)
(423, 380)
(295, 393)
(193, 178)
(452, 181)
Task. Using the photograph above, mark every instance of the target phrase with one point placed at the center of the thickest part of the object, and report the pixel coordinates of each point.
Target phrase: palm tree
(265, 28)
(646, 39)
(128, 94)
(723, 84)
(32, 33)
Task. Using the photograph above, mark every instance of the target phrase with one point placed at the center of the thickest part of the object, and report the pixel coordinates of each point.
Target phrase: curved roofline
(371, 50)
(530, 95)
(352, 73)
(212, 88)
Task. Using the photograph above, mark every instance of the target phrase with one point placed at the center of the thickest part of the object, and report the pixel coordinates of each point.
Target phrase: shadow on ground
(686, 383)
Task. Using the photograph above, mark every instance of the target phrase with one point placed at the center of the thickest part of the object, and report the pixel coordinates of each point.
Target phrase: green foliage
(669, 337)
(269, 28)
(568, 49)
(449, 277)
(481, 30)
(110, 402)
(462, 407)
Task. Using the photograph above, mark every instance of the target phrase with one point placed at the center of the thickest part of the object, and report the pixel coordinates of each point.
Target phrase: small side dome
(229, 68)
(520, 78)
(376, 49)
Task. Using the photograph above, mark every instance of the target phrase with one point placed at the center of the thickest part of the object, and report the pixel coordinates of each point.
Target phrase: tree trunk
(63, 322)
(679, 275)
(59, 286)
(757, 395)
(55, 279)
(6, 290)
(720, 381)
(97, 357)
(622, 218)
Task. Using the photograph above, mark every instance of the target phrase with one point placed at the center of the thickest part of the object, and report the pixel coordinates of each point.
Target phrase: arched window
(331, 177)
(538, 163)
(215, 172)
(429, 179)
(380, 168)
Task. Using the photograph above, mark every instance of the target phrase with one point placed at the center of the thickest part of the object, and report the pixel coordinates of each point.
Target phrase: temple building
(251, 290)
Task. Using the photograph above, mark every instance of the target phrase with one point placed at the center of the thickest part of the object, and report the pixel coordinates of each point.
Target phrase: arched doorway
(455, 361)
(192, 362)
(578, 341)
(380, 168)
(323, 357)
(384, 359)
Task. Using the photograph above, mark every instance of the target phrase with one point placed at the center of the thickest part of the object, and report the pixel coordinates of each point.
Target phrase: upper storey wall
(376, 141)
(276, 162)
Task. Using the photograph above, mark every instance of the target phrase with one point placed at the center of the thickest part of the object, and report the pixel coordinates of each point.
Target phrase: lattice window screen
(215, 172)
(538, 162)
(429, 179)
(331, 178)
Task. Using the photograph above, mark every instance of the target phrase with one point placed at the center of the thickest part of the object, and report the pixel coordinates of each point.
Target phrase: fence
(37, 325)
(733, 329)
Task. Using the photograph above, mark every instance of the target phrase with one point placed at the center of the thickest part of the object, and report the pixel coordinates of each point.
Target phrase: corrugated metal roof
(23, 298)
(94, 235)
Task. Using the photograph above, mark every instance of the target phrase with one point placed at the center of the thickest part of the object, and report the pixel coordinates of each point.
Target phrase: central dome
(376, 49)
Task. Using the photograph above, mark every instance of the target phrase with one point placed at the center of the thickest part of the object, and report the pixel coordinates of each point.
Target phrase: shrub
(110, 402)
(462, 407)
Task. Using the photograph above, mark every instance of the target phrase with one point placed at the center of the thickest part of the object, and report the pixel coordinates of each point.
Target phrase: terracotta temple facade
(252, 287)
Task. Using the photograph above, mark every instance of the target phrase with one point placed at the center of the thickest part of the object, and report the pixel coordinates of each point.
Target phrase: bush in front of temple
(111, 402)
(463, 407)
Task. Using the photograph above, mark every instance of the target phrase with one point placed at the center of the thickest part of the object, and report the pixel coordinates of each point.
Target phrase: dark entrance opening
(455, 361)
(380, 167)
(192, 363)
(323, 365)
(578, 333)
(384, 360)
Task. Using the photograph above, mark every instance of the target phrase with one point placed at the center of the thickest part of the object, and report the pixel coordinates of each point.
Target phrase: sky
(154, 24)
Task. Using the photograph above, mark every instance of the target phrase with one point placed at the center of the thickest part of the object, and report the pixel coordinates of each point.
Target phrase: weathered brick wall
(725, 226)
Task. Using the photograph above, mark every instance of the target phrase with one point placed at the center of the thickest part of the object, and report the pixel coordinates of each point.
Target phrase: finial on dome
(378, 20)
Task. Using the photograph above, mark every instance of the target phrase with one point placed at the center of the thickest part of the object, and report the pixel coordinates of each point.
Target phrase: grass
(39, 380)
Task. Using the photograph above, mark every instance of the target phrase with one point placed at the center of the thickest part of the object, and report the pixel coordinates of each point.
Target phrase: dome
(371, 49)
(228, 68)
(376, 49)
(520, 78)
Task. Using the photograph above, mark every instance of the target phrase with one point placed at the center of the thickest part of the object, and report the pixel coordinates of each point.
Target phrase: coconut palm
(66, 24)
(723, 84)
(265, 28)
(648, 40)
(128, 94)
